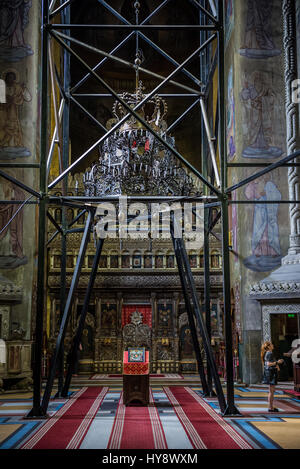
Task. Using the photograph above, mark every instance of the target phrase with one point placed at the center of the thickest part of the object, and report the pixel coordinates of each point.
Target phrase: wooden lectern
(136, 376)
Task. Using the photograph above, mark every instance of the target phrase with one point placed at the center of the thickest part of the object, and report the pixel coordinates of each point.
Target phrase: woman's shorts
(270, 376)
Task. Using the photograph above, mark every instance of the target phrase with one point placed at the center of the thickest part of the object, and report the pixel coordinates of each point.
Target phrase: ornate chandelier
(133, 162)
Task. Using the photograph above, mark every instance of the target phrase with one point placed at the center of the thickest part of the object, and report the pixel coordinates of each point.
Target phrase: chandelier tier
(133, 162)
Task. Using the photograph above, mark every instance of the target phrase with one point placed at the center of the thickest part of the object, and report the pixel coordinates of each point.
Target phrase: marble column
(292, 121)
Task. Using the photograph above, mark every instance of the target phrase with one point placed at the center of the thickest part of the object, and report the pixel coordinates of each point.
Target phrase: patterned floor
(262, 430)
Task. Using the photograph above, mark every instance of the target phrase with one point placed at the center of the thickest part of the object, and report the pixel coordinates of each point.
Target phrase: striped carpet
(140, 425)
(67, 428)
(204, 427)
(101, 377)
(96, 418)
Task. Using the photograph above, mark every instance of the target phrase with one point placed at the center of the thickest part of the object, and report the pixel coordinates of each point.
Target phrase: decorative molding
(119, 280)
(275, 290)
(9, 292)
(267, 310)
(74, 241)
(283, 308)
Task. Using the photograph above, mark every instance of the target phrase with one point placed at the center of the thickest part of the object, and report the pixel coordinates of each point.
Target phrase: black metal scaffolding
(57, 27)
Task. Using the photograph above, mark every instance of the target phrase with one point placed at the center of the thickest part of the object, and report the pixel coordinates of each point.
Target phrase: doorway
(284, 329)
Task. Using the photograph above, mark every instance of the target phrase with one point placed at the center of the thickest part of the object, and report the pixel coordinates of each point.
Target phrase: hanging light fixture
(132, 161)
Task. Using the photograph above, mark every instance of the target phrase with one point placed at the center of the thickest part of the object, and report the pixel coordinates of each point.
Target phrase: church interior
(149, 224)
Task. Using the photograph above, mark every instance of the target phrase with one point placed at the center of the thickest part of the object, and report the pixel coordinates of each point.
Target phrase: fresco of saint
(258, 39)
(11, 136)
(11, 236)
(231, 149)
(265, 243)
(259, 100)
(13, 21)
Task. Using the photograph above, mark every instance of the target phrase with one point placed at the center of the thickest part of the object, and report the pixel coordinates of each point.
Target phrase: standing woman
(271, 367)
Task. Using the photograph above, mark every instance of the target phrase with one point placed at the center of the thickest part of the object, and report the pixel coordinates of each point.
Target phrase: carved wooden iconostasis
(155, 294)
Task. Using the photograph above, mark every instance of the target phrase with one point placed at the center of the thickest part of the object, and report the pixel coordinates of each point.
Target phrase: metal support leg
(205, 389)
(64, 322)
(231, 408)
(63, 274)
(78, 335)
(65, 17)
(211, 392)
(203, 331)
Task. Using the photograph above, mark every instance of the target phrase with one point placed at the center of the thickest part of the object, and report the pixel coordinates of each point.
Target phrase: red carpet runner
(67, 428)
(138, 426)
(292, 392)
(204, 427)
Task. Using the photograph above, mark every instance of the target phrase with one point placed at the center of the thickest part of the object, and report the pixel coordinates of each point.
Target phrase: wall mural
(11, 134)
(259, 137)
(11, 237)
(258, 36)
(265, 242)
(14, 18)
(229, 19)
(231, 148)
(19, 123)
(260, 106)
